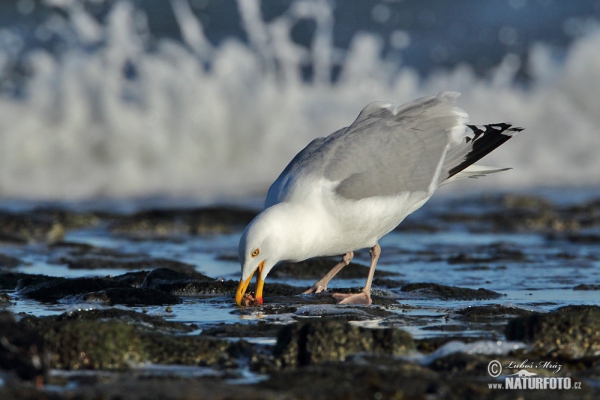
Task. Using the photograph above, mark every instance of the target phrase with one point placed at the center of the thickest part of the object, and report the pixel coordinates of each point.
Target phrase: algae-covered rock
(23, 228)
(22, 349)
(82, 344)
(333, 340)
(184, 350)
(570, 332)
(113, 339)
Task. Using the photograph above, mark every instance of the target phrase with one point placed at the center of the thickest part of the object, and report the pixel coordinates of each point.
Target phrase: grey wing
(388, 151)
(306, 160)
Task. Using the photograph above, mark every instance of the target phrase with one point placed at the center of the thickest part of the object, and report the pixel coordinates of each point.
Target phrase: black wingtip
(484, 140)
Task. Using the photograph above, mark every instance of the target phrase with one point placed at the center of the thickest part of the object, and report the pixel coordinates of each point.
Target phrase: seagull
(346, 191)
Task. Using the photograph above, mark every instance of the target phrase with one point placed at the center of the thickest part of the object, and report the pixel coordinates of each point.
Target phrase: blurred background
(209, 100)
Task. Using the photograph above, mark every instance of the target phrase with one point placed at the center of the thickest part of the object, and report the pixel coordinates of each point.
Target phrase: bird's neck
(297, 228)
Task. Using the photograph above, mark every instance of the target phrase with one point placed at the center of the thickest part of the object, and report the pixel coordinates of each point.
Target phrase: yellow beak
(260, 283)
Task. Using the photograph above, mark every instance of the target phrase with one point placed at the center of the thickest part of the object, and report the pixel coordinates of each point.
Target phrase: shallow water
(531, 269)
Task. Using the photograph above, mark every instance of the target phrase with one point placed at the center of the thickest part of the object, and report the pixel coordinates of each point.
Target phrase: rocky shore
(294, 346)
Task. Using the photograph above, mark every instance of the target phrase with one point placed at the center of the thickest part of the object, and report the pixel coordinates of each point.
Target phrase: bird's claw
(316, 288)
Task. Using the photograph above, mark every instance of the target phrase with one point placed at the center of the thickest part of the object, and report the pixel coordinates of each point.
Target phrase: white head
(262, 245)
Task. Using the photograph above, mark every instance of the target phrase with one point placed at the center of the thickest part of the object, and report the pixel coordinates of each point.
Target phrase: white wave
(131, 119)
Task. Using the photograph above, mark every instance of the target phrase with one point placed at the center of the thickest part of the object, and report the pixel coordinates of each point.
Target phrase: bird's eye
(255, 252)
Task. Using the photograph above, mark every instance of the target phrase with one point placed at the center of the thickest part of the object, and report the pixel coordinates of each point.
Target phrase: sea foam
(117, 114)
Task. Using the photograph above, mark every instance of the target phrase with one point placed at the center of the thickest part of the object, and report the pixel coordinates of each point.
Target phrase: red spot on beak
(259, 299)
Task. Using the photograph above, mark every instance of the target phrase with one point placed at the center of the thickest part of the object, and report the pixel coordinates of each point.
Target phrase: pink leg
(321, 285)
(363, 297)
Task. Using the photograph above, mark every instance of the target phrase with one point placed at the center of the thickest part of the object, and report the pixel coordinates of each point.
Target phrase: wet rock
(489, 254)
(260, 329)
(141, 321)
(367, 378)
(84, 256)
(436, 291)
(160, 276)
(146, 263)
(164, 223)
(431, 344)
(525, 202)
(344, 312)
(584, 286)
(198, 288)
(387, 283)
(53, 289)
(4, 299)
(22, 350)
(333, 340)
(118, 339)
(459, 362)
(185, 350)
(129, 297)
(160, 388)
(9, 280)
(133, 279)
(581, 238)
(569, 332)
(68, 219)
(493, 312)
(316, 268)
(29, 227)
(86, 344)
(9, 262)
(517, 214)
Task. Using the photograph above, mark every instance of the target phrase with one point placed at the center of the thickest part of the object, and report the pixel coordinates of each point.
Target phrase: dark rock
(569, 332)
(42, 224)
(22, 350)
(23, 228)
(141, 321)
(184, 350)
(494, 312)
(53, 289)
(86, 344)
(260, 329)
(431, 344)
(9, 262)
(587, 287)
(367, 378)
(490, 254)
(581, 238)
(9, 280)
(162, 223)
(117, 339)
(130, 297)
(434, 290)
(147, 263)
(316, 268)
(198, 288)
(68, 219)
(170, 275)
(461, 363)
(333, 340)
(133, 279)
(387, 283)
(4, 299)
(84, 256)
